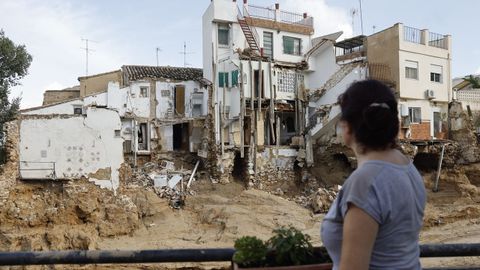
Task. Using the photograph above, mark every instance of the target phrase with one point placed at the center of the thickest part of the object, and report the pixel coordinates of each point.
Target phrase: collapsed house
(125, 116)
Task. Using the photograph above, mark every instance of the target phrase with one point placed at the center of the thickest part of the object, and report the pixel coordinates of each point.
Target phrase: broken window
(223, 79)
(144, 91)
(223, 34)
(415, 114)
(197, 104)
(142, 137)
(77, 109)
(292, 45)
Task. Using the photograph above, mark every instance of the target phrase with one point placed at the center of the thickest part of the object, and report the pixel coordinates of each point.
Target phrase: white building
(151, 110)
(415, 63)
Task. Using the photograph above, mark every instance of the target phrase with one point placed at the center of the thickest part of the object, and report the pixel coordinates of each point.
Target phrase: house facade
(254, 56)
(151, 110)
(415, 63)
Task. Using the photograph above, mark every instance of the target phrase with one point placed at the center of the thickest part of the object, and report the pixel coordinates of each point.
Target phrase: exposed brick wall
(420, 131)
(54, 96)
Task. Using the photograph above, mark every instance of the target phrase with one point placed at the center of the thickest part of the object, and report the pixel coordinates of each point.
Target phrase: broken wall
(165, 96)
(461, 131)
(78, 147)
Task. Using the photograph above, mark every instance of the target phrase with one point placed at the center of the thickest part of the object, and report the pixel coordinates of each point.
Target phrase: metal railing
(262, 12)
(282, 15)
(411, 34)
(188, 255)
(437, 40)
(256, 37)
(37, 170)
(295, 18)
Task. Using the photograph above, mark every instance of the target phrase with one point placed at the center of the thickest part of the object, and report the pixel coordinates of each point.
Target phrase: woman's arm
(359, 234)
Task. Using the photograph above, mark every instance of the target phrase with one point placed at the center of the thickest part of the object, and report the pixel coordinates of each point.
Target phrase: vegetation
(473, 80)
(287, 247)
(14, 63)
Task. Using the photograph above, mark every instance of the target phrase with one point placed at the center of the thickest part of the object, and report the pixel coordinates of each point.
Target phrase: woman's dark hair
(370, 109)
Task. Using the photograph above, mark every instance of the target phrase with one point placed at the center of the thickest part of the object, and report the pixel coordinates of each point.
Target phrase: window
(436, 73)
(415, 114)
(223, 79)
(268, 44)
(223, 34)
(117, 133)
(234, 78)
(77, 109)
(144, 91)
(292, 45)
(165, 93)
(411, 70)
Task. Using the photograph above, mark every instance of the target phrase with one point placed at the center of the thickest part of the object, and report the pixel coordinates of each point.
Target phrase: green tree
(473, 80)
(14, 63)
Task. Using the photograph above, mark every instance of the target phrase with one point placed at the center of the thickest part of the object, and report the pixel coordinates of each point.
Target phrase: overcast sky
(127, 32)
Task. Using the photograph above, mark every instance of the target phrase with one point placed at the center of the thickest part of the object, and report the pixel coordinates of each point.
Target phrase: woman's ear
(347, 133)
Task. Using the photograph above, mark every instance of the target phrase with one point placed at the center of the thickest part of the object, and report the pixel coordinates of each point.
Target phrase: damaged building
(125, 116)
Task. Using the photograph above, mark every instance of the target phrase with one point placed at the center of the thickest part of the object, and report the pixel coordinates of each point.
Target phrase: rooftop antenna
(361, 16)
(185, 64)
(353, 13)
(157, 50)
(87, 51)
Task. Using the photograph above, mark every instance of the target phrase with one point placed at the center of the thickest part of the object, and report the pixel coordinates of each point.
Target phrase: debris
(193, 174)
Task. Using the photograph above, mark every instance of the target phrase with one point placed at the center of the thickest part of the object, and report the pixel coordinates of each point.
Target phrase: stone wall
(57, 96)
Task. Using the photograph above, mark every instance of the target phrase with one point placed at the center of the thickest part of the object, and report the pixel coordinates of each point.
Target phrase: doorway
(179, 97)
(181, 137)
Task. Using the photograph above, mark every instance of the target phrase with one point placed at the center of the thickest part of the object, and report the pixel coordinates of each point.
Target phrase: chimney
(245, 2)
(305, 15)
(277, 5)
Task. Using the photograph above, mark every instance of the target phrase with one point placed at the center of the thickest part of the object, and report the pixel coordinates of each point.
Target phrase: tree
(14, 64)
(473, 80)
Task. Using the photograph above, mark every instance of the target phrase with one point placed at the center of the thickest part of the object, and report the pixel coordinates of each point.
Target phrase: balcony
(277, 19)
(350, 50)
(424, 37)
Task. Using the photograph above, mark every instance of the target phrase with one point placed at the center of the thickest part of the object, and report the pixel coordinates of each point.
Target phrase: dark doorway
(259, 87)
(180, 137)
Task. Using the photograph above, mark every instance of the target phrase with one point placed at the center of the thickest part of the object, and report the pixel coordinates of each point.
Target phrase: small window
(436, 73)
(411, 70)
(117, 133)
(223, 34)
(77, 110)
(235, 78)
(144, 91)
(165, 93)
(292, 45)
(223, 79)
(268, 44)
(415, 115)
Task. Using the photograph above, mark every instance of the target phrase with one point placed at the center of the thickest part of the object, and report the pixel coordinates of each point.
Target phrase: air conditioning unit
(430, 94)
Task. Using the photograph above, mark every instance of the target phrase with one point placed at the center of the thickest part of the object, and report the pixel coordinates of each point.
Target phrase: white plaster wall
(207, 41)
(323, 65)
(95, 100)
(140, 105)
(62, 108)
(415, 89)
(79, 145)
(166, 138)
(167, 102)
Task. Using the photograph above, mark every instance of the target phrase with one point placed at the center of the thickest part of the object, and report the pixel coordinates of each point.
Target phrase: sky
(128, 32)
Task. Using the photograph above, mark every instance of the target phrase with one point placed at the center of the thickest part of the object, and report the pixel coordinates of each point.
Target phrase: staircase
(250, 33)
(334, 80)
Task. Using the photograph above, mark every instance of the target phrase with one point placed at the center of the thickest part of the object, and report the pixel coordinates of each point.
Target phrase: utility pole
(185, 64)
(361, 16)
(87, 51)
(157, 49)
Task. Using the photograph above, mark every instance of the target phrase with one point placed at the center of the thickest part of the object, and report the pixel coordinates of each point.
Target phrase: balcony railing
(413, 35)
(280, 15)
(437, 40)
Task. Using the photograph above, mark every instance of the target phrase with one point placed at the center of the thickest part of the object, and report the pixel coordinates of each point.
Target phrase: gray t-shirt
(394, 196)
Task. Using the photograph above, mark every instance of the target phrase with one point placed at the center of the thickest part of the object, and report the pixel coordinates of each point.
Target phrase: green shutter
(235, 78)
(223, 79)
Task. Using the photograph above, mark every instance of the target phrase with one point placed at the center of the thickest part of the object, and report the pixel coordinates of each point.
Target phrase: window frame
(223, 27)
(272, 45)
(221, 82)
(412, 68)
(412, 115)
(433, 74)
(147, 92)
(285, 38)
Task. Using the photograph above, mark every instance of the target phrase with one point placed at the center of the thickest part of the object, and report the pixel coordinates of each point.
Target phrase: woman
(375, 221)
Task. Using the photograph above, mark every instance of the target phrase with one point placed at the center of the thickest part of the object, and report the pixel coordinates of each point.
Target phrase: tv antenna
(157, 50)
(87, 51)
(353, 13)
(361, 16)
(185, 53)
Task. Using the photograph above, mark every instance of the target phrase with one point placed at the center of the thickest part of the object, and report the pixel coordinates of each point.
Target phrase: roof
(351, 42)
(134, 73)
(75, 88)
(332, 36)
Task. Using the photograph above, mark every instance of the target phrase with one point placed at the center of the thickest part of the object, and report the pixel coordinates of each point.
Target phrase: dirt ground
(79, 215)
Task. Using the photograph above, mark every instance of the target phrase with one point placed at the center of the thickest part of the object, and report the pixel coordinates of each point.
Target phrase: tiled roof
(134, 73)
